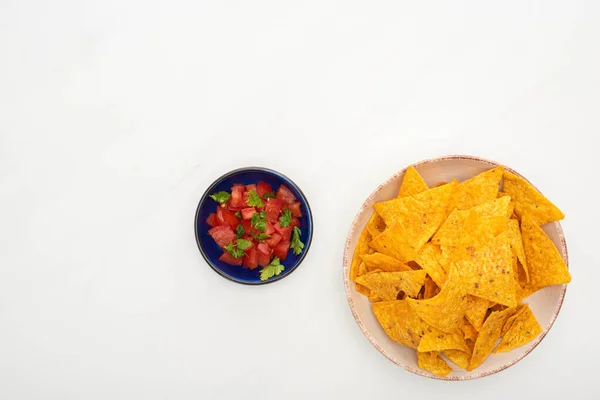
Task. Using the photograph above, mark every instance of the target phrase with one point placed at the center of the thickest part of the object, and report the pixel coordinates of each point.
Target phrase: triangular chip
(399, 322)
(387, 285)
(488, 336)
(446, 310)
(394, 242)
(375, 226)
(436, 340)
(420, 215)
(528, 200)
(476, 311)
(478, 233)
(469, 332)
(523, 330)
(477, 190)
(526, 291)
(458, 357)
(516, 244)
(362, 290)
(430, 288)
(445, 258)
(383, 262)
(433, 363)
(412, 183)
(428, 260)
(361, 248)
(544, 262)
(511, 319)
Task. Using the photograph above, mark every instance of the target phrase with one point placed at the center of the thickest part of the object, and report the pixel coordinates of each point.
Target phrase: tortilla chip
(516, 244)
(362, 290)
(428, 260)
(436, 340)
(476, 311)
(383, 262)
(478, 233)
(445, 257)
(375, 226)
(359, 250)
(469, 332)
(523, 330)
(394, 242)
(477, 190)
(386, 285)
(488, 336)
(433, 363)
(528, 200)
(444, 311)
(511, 319)
(458, 357)
(526, 291)
(399, 322)
(412, 183)
(421, 215)
(430, 288)
(545, 264)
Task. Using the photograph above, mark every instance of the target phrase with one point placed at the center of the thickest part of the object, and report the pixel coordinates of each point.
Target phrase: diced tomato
(212, 220)
(251, 258)
(250, 187)
(286, 232)
(264, 248)
(226, 217)
(273, 240)
(263, 188)
(295, 222)
(295, 209)
(246, 225)
(281, 250)
(227, 258)
(284, 194)
(247, 213)
(237, 196)
(222, 235)
(273, 209)
(263, 259)
(269, 228)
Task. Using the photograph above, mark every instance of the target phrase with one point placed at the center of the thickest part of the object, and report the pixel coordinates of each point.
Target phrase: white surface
(113, 115)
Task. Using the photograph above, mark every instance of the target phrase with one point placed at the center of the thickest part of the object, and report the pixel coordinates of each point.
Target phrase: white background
(116, 115)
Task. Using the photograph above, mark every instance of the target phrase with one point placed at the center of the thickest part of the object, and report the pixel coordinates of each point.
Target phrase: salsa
(256, 226)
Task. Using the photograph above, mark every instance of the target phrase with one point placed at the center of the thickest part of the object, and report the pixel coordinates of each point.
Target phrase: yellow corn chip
(444, 311)
(387, 285)
(477, 190)
(529, 201)
(511, 319)
(516, 244)
(430, 288)
(362, 245)
(428, 260)
(477, 233)
(476, 311)
(458, 357)
(445, 257)
(383, 262)
(362, 290)
(394, 242)
(544, 262)
(488, 336)
(412, 183)
(399, 322)
(469, 332)
(524, 292)
(375, 226)
(436, 365)
(523, 330)
(436, 340)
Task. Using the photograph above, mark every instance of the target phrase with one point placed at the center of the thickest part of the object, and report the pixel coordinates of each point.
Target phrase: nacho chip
(516, 244)
(523, 330)
(445, 310)
(360, 249)
(445, 257)
(469, 332)
(528, 200)
(478, 233)
(430, 288)
(375, 226)
(428, 260)
(399, 322)
(412, 183)
(545, 264)
(436, 340)
(477, 190)
(476, 311)
(394, 242)
(458, 357)
(433, 363)
(362, 290)
(383, 262)
(511, 319)
(526, 291)
(387, 285)
(488, 336)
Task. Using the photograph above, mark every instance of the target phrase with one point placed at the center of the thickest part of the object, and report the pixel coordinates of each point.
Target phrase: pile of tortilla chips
(446, 268)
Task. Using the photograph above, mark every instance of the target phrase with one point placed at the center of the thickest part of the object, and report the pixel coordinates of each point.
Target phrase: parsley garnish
(220, 197)
(295, 243)
(286, 218)
(235, 252)
(254, 199)
(238, 215)
(239, 231)
(243, 244)
(275, 268)
(258, 221)
(261, 237)
(270, 195)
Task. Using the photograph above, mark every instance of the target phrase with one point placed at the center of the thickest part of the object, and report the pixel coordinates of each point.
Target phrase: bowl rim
(347, 258)
(226, 175)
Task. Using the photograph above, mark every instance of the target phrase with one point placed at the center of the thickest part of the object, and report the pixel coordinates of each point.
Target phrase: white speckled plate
(545, 303)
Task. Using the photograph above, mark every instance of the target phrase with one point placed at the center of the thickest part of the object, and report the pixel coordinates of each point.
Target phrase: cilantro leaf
(235, 252)
(274, 268)
(220, 197)
(286, 218)
(296, 244)
(261, 237)
(254, 199)
(239, 231)
(270, 195)
(238, 215)
(258, 221)
(243, 244)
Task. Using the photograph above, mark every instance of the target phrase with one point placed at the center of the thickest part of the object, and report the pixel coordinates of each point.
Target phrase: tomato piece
(275, 205)
(269, 230)
(264, 248)
(246, 225)
(237, 196)
(263, 259)
(222, 235)
(212, 220)
(284, 194)
(274, 240)
(286, 232)
(295, 222)
(251, 258)
(263, 188)
(281, 250)
(226, 217)
(247, 213)
(250, 187)
(295, 209)
(227, 258)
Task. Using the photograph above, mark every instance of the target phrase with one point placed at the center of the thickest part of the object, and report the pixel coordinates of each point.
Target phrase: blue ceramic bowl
(211, 251)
